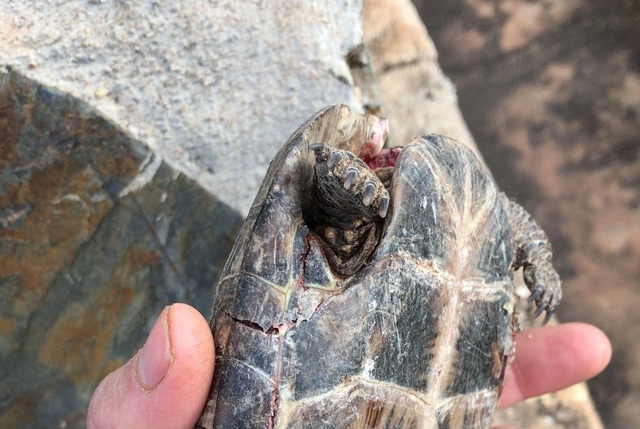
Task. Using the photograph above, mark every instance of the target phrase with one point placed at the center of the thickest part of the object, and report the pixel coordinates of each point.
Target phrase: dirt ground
(551, 92)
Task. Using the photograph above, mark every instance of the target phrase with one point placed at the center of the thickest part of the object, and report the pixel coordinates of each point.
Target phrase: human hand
(552, 358)
(165, 385)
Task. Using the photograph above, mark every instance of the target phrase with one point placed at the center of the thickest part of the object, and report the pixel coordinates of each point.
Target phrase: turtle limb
(533, 254)
(348, 183)
(345, 206)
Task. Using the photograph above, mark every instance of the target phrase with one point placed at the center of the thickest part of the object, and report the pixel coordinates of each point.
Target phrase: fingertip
(190, 336)
(155, 359)
(552, 358)
(185, 390)
(604, 341)
(584, 348)
(174, 390)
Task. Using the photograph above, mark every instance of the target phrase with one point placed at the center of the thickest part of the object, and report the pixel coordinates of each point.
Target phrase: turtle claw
(533, 254)
(368, 194)
(539, 309)
(345, 169)
(545, 290)
(372, 193)
(316, 147)
(350, 178)
(535, 294)
(383, 206)
(545, 306)
(334, 159)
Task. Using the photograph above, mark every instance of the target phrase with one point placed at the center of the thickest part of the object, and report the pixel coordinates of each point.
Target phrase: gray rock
(211, 85)
(97, 235)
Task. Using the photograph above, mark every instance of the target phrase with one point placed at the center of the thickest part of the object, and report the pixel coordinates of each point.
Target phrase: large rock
(97, 235)
(211, 85)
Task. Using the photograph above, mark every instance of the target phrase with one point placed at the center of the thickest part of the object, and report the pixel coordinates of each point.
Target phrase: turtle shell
(418, 337)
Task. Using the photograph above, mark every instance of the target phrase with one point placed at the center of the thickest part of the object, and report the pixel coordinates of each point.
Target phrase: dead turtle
(371, 287)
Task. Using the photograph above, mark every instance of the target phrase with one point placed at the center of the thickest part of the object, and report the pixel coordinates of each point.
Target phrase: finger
(165, 385)
(552, 358)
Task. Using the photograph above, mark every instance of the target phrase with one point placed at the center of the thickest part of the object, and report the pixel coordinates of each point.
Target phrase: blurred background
(551, 92)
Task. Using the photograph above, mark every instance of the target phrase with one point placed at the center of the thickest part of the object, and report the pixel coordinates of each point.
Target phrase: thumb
(166, 384)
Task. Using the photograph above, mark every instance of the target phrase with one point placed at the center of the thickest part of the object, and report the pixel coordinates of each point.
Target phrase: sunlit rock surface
(97, 235)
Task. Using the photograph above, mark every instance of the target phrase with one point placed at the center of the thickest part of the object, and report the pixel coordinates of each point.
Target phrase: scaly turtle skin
(372, 291)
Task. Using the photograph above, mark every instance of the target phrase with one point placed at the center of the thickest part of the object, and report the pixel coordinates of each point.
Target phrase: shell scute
(403, 308)
(316, 271)
(445, 208)
(277, 239)
(251, 298)
(483, 341)
(244, 399)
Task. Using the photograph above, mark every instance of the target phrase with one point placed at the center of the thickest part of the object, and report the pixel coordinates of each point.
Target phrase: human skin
(166, 384)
